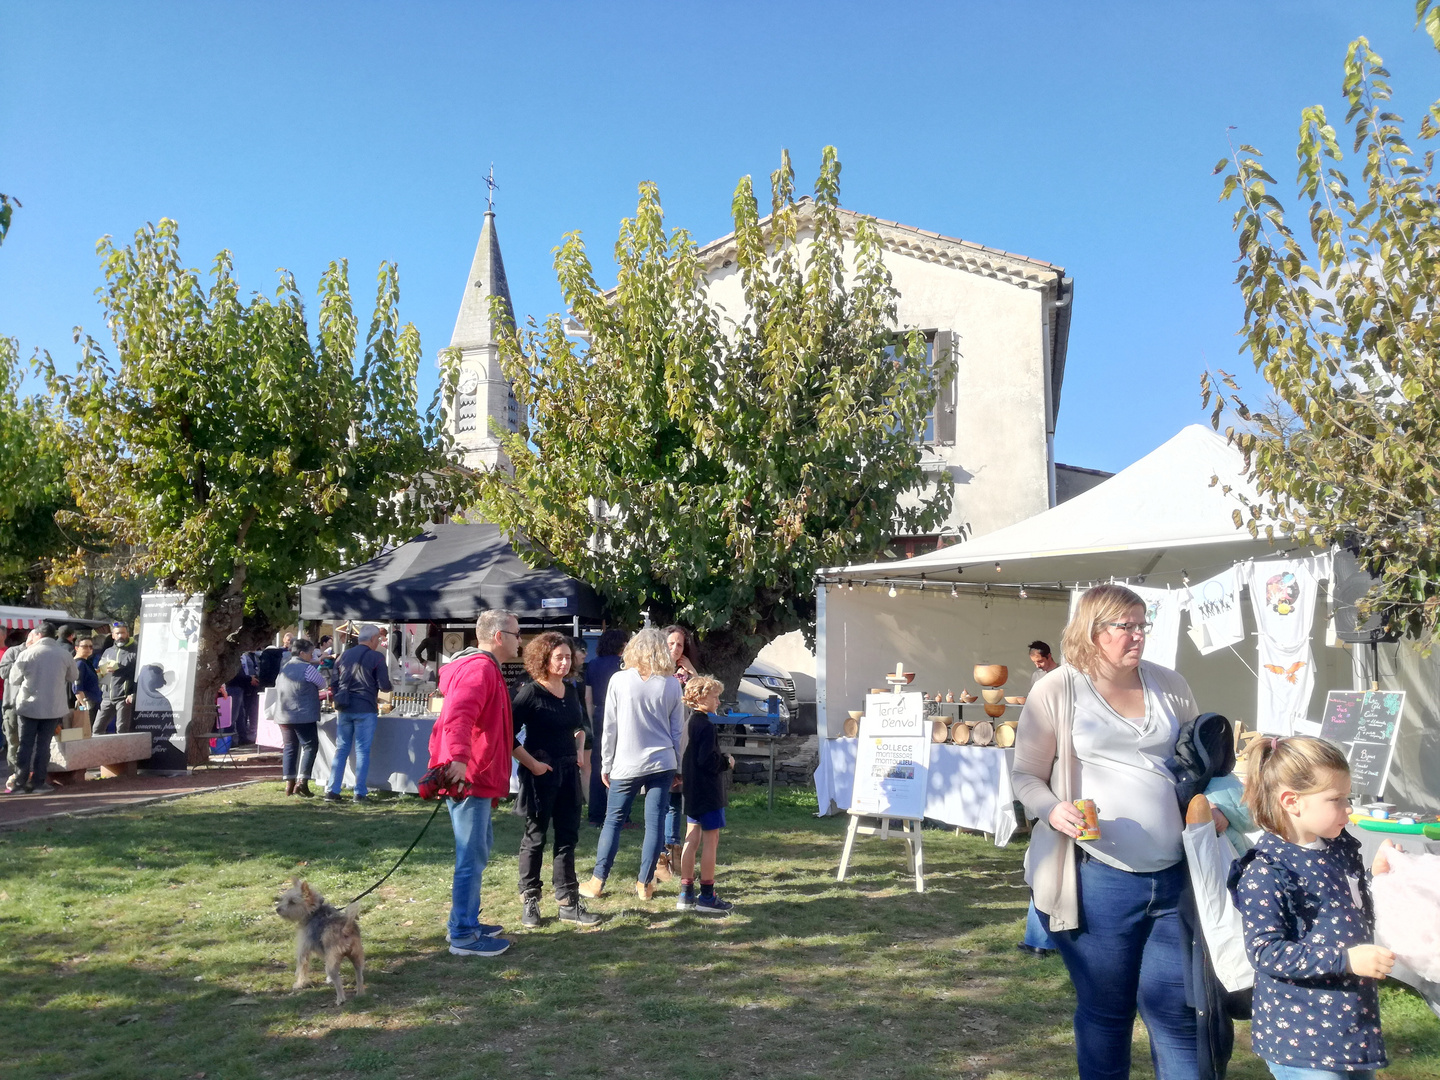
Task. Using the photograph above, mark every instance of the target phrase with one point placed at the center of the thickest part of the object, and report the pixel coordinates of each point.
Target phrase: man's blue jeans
(1126, 955)
(656, 787)
(352, 729)
(471, 822)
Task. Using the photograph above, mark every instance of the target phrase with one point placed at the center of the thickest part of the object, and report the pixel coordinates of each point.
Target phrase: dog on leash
(324, 930)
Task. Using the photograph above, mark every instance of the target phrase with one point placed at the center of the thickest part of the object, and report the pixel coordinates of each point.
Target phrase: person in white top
(1103, 727)
(639, 753)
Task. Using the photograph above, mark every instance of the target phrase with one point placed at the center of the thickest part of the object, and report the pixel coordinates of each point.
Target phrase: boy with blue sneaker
(703, 770)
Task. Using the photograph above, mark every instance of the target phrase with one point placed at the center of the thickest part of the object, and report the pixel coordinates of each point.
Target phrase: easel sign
(892, 764)
(1365, 723)
(892, 773)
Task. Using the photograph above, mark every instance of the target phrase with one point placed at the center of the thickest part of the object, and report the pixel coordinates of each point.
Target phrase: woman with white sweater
(639, 754)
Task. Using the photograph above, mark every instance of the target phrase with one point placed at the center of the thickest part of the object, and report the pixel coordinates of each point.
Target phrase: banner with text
(165, 674)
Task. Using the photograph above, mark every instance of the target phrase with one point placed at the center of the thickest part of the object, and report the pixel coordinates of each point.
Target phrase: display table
(969, 785)
(399, 753)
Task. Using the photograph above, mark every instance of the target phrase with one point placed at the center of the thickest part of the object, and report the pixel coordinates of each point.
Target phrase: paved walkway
(99, 795)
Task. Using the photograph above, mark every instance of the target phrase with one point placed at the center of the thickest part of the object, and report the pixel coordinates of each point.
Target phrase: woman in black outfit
(549, 711)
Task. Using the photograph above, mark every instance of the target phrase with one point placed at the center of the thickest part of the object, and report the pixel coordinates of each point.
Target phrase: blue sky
(294, 133)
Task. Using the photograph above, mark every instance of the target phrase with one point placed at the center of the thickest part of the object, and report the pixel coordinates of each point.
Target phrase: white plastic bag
(1209, 856)
(1407, 911)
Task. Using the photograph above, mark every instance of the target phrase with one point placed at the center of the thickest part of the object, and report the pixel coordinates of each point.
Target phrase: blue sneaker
(485, 930)
(712, 905)
(481, 946)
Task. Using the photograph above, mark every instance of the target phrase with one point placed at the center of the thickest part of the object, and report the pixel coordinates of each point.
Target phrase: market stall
(1165, 527)
(429, 592)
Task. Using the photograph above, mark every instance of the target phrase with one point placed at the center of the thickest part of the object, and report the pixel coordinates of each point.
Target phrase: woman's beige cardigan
(1047, 773)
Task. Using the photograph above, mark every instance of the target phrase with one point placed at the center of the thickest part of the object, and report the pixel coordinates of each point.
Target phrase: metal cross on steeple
(491, 185)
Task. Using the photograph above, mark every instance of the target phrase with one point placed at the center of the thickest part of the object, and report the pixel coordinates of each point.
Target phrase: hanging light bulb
(892, 590)
(1023, 593)
(954, 592)
(997, 568)
(922, 582)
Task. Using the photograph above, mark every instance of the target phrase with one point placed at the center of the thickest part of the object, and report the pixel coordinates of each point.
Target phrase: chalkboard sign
(1365, 723)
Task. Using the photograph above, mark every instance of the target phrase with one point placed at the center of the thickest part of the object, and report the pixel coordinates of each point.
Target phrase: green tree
(1345, 332)
(701, 465)
(35, 488)
(234, 455)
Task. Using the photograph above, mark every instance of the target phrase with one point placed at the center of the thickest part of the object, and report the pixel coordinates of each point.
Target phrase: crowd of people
(636, 726)
(638, 691)
(45, 675)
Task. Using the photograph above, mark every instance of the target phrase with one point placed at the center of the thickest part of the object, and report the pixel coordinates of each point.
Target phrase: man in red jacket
(472, 740)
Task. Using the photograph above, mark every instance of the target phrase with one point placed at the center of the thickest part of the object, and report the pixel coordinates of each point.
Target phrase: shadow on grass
(126, 942)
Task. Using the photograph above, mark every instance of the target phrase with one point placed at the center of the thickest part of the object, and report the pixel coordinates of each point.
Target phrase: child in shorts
(702, 769)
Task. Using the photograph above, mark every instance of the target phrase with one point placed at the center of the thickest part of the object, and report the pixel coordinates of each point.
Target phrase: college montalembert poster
(892, 765)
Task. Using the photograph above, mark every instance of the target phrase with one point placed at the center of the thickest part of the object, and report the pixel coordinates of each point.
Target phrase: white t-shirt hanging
(1282, 596)
(1162, 610)
(1216, 621)
(1285, 684)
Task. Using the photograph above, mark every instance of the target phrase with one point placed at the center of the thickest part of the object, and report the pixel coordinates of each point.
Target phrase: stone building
(1005, 318)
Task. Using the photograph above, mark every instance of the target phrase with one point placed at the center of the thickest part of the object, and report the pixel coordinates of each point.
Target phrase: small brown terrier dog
(325, 930)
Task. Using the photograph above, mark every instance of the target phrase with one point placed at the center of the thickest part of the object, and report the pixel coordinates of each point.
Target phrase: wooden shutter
(945, 393)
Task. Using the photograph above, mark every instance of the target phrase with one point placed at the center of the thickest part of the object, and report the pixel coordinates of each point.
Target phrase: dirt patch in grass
(143, 944)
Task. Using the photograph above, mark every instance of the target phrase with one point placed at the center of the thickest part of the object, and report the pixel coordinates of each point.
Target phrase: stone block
(99, 750)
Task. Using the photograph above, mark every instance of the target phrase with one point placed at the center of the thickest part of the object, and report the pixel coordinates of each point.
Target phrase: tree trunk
(225, 633)
(726, 654)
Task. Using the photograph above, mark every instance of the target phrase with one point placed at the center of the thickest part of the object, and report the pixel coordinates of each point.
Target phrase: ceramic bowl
(991, 674)
(1015, 701)
(994, 710)
(993, 695)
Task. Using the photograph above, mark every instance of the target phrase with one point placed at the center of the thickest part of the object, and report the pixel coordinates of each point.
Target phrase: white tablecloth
(969, 785)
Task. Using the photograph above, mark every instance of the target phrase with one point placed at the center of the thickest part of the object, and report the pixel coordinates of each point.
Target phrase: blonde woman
(1103, 726)
(639, 753)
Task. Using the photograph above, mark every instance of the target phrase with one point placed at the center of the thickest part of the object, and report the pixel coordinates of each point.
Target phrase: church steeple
(484, 400)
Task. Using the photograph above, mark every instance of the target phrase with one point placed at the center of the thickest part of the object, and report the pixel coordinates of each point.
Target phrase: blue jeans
(675, 821)
(357, 729)
(1293, 1072)
(1128, 954)
(301, 742)
(474, 835)
(656, 787)
(1037, 933)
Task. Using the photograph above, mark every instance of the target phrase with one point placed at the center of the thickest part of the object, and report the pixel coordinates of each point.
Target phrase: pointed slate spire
(474, 327)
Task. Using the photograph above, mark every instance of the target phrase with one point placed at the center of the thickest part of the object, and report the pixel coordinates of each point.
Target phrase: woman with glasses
(1103, 727)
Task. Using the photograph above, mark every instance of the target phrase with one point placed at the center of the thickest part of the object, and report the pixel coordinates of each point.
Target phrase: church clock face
(469, 382)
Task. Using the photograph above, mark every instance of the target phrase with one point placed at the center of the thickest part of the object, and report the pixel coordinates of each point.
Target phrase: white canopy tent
(1167, 518)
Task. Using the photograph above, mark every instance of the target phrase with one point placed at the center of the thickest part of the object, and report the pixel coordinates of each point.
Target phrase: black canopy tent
(449, 573)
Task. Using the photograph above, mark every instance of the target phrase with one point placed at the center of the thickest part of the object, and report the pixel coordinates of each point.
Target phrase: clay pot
(1005, 736)
(994, 710)
(993, 695)
(852, 728)
(960, 733)
(982, 734)
(991, 674)
(939, 731)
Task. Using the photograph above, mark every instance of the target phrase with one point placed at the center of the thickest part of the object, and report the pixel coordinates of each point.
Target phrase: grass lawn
(143, 944)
